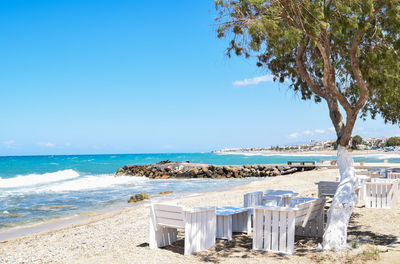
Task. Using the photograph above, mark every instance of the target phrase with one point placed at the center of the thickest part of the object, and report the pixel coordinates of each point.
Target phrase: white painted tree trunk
(343, 203)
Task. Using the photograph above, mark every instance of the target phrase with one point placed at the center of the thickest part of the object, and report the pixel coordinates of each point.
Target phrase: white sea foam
(35, 179)
(93, 182)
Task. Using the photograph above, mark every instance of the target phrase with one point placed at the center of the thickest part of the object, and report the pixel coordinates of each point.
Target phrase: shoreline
(86, 216)
(122, 236)
(52, 224)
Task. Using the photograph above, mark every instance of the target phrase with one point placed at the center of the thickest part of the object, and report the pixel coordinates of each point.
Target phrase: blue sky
(136, 77)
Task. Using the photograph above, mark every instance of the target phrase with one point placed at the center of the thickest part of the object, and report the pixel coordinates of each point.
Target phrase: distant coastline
(304, 153)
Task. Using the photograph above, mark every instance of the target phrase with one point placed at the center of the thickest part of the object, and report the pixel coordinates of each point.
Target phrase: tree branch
(329, 81)
(364, 92)
(302, 71)
(336, 117)
(334, 110)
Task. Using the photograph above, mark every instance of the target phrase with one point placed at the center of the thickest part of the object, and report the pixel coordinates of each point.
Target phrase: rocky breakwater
(167, 169)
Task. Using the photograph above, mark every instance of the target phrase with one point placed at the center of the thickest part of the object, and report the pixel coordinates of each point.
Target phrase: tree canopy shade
(346, 52)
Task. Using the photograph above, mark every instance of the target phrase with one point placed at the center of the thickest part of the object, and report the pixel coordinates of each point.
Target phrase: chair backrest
(380, 193)
(274, 229)
(362, 176)
(393, 175)
(372, 174)
(309, 217)
(299, 200)
(278, 192)
(253, 199)
(271, 200)
(169, 215)
(327, 188)
(308, 209)
(378, 180)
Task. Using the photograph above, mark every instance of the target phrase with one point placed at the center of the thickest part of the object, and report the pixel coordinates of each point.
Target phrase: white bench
(199, 225)
(381, 193)
(275, 227)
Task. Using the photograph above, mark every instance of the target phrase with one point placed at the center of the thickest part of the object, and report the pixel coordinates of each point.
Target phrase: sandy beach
(122, 236)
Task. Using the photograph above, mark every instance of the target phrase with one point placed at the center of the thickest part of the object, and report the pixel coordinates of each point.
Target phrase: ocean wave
(93, 182)
(36, 179)
(81, 183)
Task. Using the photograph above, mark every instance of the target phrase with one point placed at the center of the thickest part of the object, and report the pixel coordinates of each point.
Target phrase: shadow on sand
(355, 232)
(241, 245)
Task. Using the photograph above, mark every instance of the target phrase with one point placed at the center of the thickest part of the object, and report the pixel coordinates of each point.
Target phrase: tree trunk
(343, 203)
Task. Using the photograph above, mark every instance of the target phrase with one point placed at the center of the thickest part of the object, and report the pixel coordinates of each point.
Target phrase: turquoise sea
(37, 188)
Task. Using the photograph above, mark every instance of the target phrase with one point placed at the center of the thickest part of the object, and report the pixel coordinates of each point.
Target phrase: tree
(334, 145)
(356, 140)
(343, 52)
(393, 141)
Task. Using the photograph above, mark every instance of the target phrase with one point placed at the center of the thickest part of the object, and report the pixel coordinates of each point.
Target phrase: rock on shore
(165, 170)
(138, 197)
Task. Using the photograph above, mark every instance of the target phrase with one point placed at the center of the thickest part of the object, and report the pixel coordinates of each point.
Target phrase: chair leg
(249, 219)
(320, 222)
(162, 237)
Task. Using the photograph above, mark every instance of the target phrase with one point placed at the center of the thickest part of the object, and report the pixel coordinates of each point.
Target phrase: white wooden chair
(278, 197)
(198, 223)
(269, 197)
(253, 199)
(275, 227)
(327, 188)
(271, 200)
(310, 216)
(372, 174)
(361, 187)
(381, 193)
(394, 175)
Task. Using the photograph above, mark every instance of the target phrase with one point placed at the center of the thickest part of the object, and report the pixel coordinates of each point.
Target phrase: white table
(233, 219)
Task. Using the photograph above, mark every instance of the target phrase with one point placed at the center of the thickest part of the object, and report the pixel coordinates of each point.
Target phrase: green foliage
(273, 31)
(335, 144)
(356, 140)
(393, 141)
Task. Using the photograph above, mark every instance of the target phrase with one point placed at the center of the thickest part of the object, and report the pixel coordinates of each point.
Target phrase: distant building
(362, 147)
